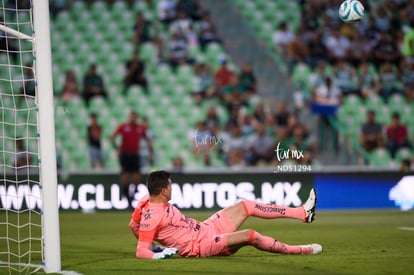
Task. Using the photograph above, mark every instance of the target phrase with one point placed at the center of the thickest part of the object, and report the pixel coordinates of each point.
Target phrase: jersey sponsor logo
(144, 225)
(147, 214)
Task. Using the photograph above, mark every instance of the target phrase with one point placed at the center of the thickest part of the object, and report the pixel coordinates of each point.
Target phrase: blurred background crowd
(226, 84)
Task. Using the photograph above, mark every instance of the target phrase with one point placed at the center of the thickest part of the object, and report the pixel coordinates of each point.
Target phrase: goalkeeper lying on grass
(154, 219)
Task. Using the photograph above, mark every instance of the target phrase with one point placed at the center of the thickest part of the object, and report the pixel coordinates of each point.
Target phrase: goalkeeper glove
(157, 248)
(165, 254)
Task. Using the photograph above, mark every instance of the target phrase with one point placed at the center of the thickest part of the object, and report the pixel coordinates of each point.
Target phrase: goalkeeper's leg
(246, 237)
(239, 212)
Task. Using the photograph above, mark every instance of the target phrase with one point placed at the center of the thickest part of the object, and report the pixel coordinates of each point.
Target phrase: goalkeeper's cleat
(309, 206)
(311, 248)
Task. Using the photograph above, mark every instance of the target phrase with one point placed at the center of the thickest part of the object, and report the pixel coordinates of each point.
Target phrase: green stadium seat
(383, 115)
(396, 103)
(403, 153)
(380, 157)
(374, 102)
(97, 104)
(148, 52)
(352, 100)
(213, 52)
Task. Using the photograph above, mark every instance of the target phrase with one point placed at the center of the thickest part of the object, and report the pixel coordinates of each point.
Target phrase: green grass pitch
(355, 242)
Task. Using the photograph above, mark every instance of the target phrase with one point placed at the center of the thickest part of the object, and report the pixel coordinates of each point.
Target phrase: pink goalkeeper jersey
(164, 223)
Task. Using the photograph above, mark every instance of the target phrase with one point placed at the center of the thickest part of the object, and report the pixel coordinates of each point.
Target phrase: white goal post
(15, 247)
(47, 145)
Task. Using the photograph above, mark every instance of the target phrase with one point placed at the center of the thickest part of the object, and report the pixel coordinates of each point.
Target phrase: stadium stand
(265, 16)
(103, 34)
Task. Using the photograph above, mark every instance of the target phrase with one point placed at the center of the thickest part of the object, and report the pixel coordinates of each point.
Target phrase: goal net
(29, 231)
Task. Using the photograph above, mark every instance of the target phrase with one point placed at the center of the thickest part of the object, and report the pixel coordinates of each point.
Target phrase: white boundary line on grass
(406, 228)
(64, 272)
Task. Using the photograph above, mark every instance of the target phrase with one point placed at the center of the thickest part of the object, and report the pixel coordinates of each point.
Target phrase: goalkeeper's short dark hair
(157, 181)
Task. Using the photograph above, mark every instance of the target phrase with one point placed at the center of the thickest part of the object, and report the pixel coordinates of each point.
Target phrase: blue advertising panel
(355, 190)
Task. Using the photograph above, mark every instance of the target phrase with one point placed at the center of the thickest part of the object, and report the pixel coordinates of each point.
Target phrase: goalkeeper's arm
(144, 251)
(145, 246)
(134, 226)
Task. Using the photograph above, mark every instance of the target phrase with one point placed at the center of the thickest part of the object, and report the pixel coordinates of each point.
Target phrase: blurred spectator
(93, 84)
(296, 52)
(232, 92)
(236, 99)
(282, 37)
(405, 166)
(382, 19)
(177, 50)
(131, 133)
(70, 87)
(247, 124)
(190, 7)
(368, 80)
(397, 135)
(141, 29)
(259, 113)
(327, 93)
(301, 139)
(235, 146)
(389, 81)
(206, 31)
(345, 77)
(56, 6)
(261, 146)
(212, 120)
(318, 76)
(22, 158)
(207, 162)
(371, 133)
(223, 75)
(204, 82)
(247, 79)
(408, 79)
(358, 51)
(317, 50)
(166, 10)
(177, 165)
(408, 44)
(182, 24)
(282, 114)
(326, 99)
(109, 3)
(337, 45)
(385, 51)
(371, 31)
(94, 139)
(234, 116)
(135, 73)
(294, 122)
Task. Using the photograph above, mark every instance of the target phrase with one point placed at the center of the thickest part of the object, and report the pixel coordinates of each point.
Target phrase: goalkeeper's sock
(272, 211)
(265, 243)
